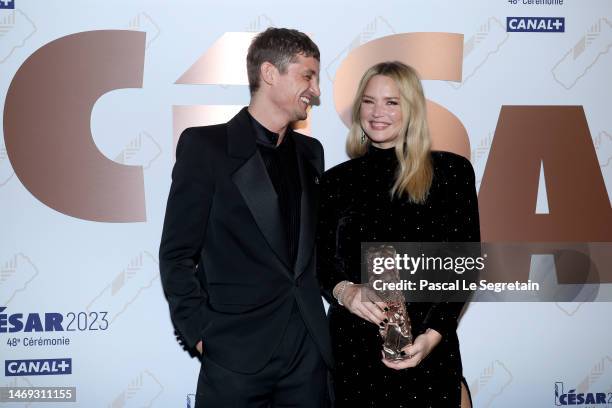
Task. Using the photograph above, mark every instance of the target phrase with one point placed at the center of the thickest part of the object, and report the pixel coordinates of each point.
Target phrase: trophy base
(393, 355)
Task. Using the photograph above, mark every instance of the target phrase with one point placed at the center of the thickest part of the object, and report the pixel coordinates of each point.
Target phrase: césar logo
(574, 398)
(32, 322)
(50, 366)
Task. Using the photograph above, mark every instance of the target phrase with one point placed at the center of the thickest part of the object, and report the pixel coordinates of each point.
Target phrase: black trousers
(295, 377)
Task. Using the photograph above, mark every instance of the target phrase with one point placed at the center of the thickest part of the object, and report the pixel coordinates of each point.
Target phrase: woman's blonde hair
(412, 148)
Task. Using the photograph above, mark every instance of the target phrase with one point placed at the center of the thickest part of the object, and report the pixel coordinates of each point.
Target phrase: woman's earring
(363, 137)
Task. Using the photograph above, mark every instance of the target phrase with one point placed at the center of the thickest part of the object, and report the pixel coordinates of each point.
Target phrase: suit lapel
(308, 165)
(255, 186)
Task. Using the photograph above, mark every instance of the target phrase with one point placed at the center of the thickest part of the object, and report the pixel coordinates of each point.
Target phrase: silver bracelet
(341, 289)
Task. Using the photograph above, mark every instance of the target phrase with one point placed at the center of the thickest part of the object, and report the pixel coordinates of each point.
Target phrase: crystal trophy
(396, 333)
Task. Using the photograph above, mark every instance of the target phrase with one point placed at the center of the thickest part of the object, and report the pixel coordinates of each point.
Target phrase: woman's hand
(417, 351)
(370, 308)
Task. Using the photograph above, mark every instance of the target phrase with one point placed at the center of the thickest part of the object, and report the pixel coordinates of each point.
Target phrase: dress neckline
(378, 152)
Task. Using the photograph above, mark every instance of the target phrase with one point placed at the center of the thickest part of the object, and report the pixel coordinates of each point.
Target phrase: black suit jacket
(224, 261)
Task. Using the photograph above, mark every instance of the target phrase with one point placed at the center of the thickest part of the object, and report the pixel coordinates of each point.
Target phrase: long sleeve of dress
(329, 268)
(463, 226)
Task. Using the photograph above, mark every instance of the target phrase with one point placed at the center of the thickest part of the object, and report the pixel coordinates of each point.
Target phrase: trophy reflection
(396, 333)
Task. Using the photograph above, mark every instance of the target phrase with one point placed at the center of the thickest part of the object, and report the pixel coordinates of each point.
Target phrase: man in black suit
(236, 256)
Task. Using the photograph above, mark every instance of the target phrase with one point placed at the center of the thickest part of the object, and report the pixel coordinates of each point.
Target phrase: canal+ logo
(7, 4)
(581, 398)
(535, 24)
(49, 366)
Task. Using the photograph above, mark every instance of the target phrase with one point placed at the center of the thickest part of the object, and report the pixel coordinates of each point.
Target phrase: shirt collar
(264, 136)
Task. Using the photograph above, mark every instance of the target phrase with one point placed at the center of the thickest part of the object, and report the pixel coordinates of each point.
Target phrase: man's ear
(268, 72)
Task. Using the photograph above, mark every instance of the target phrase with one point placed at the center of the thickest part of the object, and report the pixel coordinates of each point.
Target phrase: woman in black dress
(394, 189)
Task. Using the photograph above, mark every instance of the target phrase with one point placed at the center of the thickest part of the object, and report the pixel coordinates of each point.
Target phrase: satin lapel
(256, 188)
(308, 177)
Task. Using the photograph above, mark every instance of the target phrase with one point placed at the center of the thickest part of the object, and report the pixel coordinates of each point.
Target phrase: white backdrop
(125, 354)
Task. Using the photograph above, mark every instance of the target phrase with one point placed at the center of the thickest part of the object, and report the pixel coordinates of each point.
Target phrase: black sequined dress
(356, 207)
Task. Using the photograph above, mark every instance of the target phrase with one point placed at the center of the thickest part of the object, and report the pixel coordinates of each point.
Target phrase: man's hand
(417, 351)
(199, 347)
(370, 309)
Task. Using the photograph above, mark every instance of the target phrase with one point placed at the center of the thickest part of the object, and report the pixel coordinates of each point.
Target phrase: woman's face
(380, 112)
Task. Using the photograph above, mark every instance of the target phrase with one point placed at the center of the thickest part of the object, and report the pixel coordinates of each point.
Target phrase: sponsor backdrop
(95, 94)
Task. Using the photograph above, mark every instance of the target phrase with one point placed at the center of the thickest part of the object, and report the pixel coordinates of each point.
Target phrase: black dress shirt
(282, 166)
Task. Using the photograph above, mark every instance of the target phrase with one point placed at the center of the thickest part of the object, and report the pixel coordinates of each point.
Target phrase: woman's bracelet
(338, 291)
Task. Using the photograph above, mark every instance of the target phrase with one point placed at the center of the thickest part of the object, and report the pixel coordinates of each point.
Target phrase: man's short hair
(278, 46)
